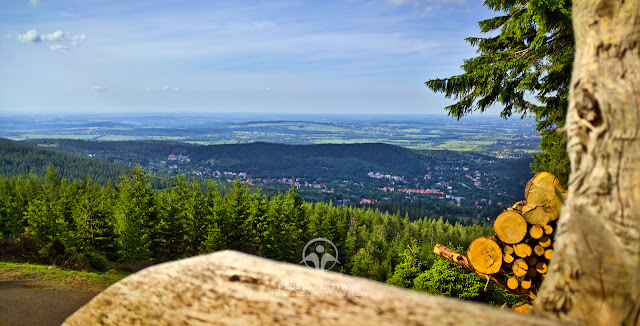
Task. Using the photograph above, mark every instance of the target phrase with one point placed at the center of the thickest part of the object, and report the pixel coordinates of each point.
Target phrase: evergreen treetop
(526, 68)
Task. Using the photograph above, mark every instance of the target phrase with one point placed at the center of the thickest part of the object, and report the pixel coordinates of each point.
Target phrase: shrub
(97, 261)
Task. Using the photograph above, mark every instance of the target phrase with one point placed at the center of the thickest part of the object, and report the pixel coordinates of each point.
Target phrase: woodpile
(517, 256)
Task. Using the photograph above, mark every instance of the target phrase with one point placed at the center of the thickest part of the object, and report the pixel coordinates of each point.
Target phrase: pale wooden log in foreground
(231, 288)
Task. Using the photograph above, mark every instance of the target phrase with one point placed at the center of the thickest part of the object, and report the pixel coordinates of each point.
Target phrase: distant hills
(273, 160)
(347, 173)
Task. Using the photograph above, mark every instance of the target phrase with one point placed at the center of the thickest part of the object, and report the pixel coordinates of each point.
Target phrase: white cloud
(99, 88)
(34, 3)
(169, 88)
(66, 41)
(165, 88)
(55, 36)
(400, 2)
(426, 5)
(31, 36)
(79, 37)
(76, 39)
(58, 48)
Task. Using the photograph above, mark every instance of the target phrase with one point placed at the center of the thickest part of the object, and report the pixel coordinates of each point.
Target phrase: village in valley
(484, 149)
(374, 186)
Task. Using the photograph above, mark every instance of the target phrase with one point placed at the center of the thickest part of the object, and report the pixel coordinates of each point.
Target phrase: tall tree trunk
(594, 278)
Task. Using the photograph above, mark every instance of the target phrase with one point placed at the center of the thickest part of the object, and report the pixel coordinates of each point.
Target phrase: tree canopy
(81, 224)
(526, 68)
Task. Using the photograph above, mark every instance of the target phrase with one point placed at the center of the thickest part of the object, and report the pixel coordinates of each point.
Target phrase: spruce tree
(175, 225)
(135, 216)
(214, 218)
(409, 268)
(273, 232)
(526, 69)
(295, 225)
(238, 210)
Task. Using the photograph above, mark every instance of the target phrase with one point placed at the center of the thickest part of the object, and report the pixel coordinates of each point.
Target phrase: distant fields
(492, 136)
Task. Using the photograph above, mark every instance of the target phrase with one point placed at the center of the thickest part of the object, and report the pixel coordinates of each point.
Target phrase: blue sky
(300, 56)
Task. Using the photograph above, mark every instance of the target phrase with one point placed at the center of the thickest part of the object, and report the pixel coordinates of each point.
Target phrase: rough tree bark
(594, 278)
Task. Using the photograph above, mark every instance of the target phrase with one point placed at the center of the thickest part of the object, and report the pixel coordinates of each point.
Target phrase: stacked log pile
(517, 256)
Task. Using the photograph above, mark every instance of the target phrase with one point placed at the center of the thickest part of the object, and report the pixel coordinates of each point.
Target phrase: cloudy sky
(334, 56)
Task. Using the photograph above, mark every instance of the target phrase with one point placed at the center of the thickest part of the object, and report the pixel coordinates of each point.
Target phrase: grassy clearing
(463, 145)
(412, 130)
(55, 136)
(177, 138)
(344, 141)
(56, 276)
(299, 126)
(119, 138)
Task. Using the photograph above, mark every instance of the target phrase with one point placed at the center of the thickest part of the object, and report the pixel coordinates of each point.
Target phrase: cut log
(545, 242)
(508, 259)
(517, 207)
(538, 250)
(532, 260)
(485, 255)
(525, 284)
(520, 268)
(548, 229)
(512, 283)
(522, 308)
(541, 267)
(531, 273)
(543, 202)
(507, 250)
(462, 261)
(522, 250)
(548, 254)
(536, 231)
(510, 227)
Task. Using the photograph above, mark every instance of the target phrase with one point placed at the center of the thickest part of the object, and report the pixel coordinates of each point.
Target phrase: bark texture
(231, 288)
(544, 196)
(594, 277)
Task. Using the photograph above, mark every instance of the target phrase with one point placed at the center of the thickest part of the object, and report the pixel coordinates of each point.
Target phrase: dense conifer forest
(84, 225)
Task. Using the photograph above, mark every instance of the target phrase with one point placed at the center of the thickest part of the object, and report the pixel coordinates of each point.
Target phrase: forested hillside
(270, 159)
(17, 159)
(346, 173)
(23, 160)
(82, 224)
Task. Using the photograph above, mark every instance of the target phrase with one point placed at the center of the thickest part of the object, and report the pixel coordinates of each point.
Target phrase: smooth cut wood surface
(510, 227)
(485, 255)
